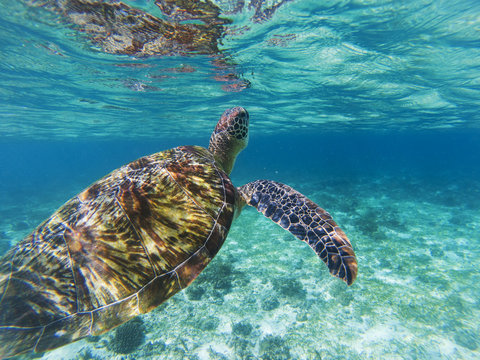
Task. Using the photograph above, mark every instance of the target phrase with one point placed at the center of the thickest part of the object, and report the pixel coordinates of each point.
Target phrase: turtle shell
(118, 249)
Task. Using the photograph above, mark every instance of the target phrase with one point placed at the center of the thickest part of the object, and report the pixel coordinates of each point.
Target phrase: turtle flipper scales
(307, 221)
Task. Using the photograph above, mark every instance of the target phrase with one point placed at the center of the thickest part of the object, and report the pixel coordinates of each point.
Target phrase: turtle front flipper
(307, 221)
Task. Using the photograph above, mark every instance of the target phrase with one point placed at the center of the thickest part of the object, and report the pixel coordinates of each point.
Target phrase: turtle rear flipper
(307, 221)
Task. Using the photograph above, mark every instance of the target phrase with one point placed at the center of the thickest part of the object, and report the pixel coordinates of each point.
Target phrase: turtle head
(229, 137)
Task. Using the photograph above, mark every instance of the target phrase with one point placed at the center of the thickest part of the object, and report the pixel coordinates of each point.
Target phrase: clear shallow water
(369, 109)
(331, 65)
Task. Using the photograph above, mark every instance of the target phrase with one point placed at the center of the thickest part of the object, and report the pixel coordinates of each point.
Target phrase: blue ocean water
(369, 108)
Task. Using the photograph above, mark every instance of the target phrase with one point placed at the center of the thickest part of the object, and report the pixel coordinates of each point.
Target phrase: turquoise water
(369, 108)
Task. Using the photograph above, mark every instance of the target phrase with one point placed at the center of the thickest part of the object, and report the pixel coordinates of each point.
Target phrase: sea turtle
(139, 235)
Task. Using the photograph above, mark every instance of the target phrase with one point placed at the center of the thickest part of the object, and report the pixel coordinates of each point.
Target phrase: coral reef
(274, 348)
(289, 288)
(242, 347)
(243, 328)
(208, 324)
(270, 303)
(195, 292)
(128, 337)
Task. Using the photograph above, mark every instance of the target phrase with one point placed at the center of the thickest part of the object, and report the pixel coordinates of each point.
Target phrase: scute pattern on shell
(120, 248)
(306, 221)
